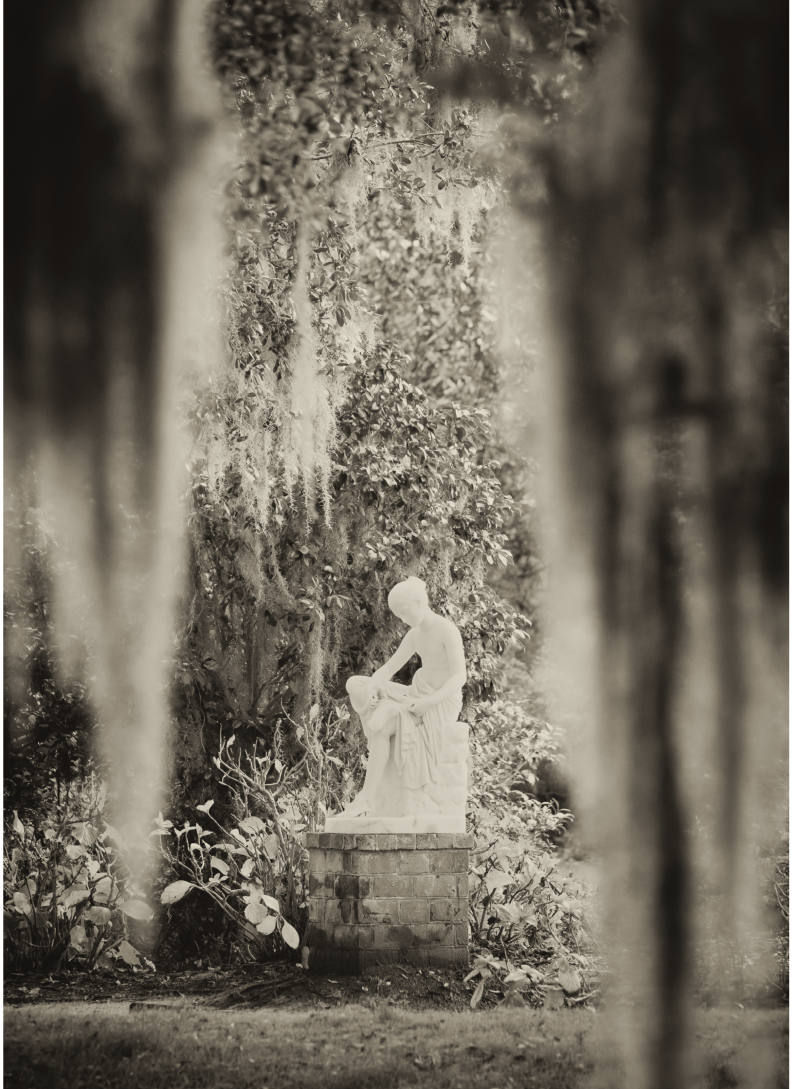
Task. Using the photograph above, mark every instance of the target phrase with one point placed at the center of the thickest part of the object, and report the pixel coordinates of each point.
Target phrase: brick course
(387, 899)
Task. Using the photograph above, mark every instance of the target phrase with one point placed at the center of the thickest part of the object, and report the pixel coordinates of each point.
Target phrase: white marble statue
(418, 750)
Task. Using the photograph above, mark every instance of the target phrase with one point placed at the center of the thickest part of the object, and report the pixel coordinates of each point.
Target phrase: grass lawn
(153, 1045)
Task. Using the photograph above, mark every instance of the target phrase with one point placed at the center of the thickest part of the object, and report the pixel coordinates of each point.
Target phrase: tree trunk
(665, 243)
(112, 250)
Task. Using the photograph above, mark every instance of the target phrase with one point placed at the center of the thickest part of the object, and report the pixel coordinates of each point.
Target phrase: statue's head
(409, 596)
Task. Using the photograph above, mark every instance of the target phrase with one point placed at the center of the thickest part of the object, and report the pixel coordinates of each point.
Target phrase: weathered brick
(432, 934)
(373, 910)
(333, 841)
(312, 839)
(406, 841)
(402, 936)
(316, 909)
(316, 860)
(316, 937)
(346, 885)
(344, 937)
(366, 937)
(414, 861)
(464, 839)
(366, 843)
(349, 841)
(448, 956)
(385, 885)
(462, 886)
(450, 862)
(386, 841)
(334, 862)
(427, 841)
(379, 956)
(340, 911)
(461, 933)
(418, 955)
(429, 885)
(334, 960)
(444, 840)
(448, 910)
(414, 911)
(380, 862)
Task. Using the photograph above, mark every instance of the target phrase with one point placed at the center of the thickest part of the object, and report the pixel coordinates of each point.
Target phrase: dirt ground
(280, 985)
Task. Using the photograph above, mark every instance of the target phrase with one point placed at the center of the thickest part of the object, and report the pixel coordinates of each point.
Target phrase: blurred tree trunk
(111, 245)
(665, 238)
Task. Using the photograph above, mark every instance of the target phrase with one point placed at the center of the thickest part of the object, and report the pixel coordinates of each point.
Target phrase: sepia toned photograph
(396, 544)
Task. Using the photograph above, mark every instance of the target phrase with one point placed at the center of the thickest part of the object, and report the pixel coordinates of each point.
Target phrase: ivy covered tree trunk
(666, 244)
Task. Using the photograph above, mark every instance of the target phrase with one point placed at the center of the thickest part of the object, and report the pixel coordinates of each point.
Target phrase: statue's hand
(420, 704)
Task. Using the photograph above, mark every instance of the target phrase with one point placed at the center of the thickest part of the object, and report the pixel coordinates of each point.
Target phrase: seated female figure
(413, 715)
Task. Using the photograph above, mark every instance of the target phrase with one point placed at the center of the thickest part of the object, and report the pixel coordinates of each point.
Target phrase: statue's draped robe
(417, 742)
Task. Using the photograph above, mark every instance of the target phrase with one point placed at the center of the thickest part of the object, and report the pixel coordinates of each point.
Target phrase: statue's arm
(404, 653)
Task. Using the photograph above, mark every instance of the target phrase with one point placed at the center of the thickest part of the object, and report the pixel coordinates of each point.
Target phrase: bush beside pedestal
(388, 899)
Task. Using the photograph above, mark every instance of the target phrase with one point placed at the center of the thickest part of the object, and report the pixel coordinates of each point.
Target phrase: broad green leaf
(175, 892)
(290, 935)
(129, 954)
(267, 925)
(22, 902)
(271, 846)
(206, 806)
(255, 913)
(253, 825)
(78, 939)
(271, 902)
(97, 915)
(477, 994)
(246, 868)
(495, 880)
(104, 891)
(219, 864)
(137, 909)
(569, 979)
(117, 837)
(75, 897)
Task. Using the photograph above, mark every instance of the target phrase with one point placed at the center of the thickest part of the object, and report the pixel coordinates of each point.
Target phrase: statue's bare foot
(361, 806)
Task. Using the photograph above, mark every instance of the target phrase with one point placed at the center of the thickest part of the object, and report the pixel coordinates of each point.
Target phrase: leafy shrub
(257, 870)
(67, 890)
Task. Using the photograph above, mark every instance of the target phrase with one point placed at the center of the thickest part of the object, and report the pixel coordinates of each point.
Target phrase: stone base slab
(420, 822)
(388, 898)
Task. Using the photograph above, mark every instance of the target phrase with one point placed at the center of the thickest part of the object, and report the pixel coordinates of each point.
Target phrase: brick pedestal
(388, 899)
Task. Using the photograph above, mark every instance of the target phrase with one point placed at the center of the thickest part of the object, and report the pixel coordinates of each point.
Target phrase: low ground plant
(68, 892)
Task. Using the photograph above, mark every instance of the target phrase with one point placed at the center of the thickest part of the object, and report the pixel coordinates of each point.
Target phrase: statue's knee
(354, 683)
